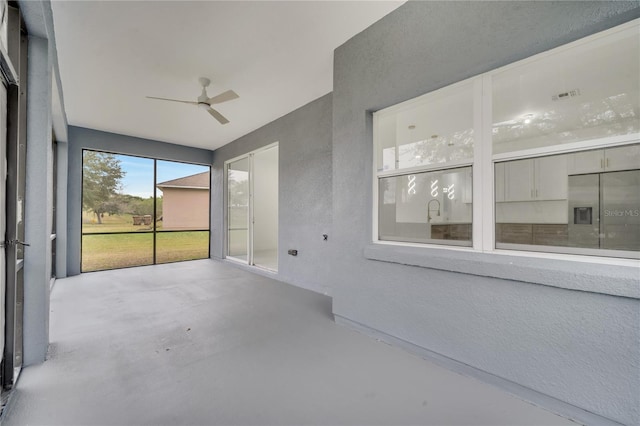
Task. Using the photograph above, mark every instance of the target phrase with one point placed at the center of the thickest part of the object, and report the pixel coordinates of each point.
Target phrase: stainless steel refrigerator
(604, 210)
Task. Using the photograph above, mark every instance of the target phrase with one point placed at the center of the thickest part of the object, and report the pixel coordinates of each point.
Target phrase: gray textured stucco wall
(61, 209)
(38, 202)
(577, 346)
(81, 138)
(304, 137)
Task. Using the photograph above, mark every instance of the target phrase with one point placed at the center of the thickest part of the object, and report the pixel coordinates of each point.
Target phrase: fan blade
(215, 114)
(172, 100)
(223, 97)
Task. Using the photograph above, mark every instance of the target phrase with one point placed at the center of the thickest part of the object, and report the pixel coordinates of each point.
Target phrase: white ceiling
(277, 56)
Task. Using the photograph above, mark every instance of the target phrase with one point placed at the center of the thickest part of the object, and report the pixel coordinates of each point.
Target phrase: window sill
(609, 279)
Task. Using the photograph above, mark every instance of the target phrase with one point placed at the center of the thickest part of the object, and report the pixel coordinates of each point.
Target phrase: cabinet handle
(607, 164)
(536, 193)
(601, 163)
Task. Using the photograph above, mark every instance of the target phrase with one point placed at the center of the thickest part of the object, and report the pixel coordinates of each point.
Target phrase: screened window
(140, 211)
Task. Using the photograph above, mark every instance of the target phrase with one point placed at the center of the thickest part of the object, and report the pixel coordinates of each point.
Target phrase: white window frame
(483, 164)
(477, 127)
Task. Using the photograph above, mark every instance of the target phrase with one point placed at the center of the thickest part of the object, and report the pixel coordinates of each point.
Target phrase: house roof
(197, 181)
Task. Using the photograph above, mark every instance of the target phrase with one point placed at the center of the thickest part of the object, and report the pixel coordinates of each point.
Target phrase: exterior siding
(184, 208)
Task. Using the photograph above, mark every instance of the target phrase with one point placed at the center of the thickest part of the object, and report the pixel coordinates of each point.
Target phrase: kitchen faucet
(429, 210)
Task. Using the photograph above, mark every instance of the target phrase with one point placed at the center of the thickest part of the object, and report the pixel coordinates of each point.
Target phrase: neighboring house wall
(81, 138)
(304, 138)
(185, 208)
(580, 347)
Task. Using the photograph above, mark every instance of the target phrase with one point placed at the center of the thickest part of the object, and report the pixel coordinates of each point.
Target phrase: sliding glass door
(141, 211)
(265, 208)
(238, 209)
(252, 208)
(13, 142)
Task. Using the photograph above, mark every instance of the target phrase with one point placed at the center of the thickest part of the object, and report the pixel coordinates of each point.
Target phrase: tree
(238, 189)
(134, 205)
(101, 179)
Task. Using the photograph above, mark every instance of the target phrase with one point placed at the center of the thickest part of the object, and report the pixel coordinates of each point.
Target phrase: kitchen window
(425, 157)
(585, 202)
(546, 147)
(447, 197)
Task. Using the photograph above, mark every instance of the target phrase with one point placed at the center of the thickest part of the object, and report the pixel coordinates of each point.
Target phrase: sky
(138, 179)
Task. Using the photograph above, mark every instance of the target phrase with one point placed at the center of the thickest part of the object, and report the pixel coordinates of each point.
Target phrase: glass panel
(620, 210)
(434, 129)
(585, 200)
(117, 197)
(111, 251)
(19, 321)
(21, 183)
(265, 208)
(20, 220)
(178, 246)
(238, 213)
(117, 193)
(426, 207)
(590, 91)
(182, 202)
(53, 257)
(182, 196)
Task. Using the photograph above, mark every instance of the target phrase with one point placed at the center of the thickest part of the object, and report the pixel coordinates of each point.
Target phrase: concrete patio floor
(206, 343)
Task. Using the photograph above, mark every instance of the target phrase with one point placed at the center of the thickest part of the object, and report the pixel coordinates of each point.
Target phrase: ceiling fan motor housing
(203, 98)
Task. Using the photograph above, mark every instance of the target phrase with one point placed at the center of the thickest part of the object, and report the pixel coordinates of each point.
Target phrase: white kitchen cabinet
(622, 158)
(518, 180)
(550, 178)
(586, 162)
(533, 179)
(605, 160)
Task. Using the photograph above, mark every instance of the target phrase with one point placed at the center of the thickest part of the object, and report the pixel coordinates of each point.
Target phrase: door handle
(10, 243)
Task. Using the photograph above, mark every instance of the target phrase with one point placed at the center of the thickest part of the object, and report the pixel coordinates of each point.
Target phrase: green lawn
(113, 223)
(176, 246)
(101, 252)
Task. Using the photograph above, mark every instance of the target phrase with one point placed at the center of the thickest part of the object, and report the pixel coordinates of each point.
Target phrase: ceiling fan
(205, 102)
